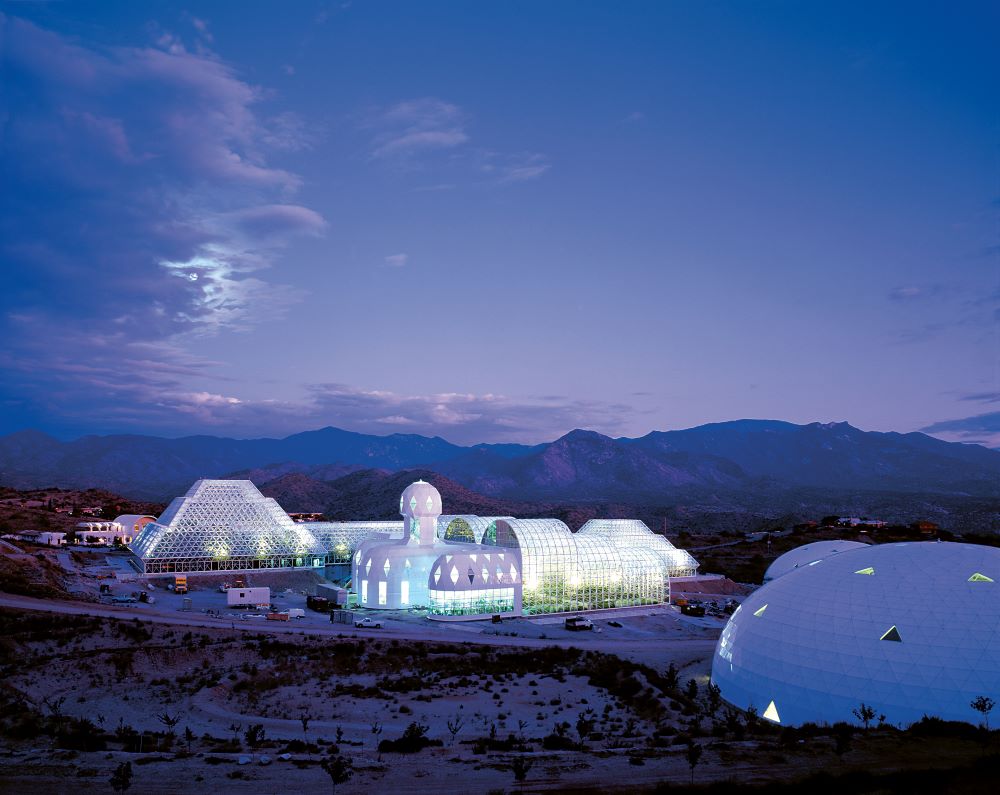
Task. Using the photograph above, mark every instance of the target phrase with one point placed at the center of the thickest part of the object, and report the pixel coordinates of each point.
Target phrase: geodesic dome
(807, 555)
(910, 629)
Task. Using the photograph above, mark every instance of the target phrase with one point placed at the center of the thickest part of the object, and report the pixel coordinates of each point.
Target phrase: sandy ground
(217, 681)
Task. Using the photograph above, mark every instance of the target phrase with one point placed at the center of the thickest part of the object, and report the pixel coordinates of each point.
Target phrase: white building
(910, 629)
(807, 555)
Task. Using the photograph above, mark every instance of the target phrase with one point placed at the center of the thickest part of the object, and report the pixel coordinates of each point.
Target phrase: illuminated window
(404, 592)
(368, 567)
(771, 713)
(386, 568)
(382, 592)
(892, 634)
(869, 570)
(364, 591)
(760, 612)
(977, 577)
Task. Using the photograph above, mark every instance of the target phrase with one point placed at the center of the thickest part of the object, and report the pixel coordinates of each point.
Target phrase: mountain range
(716, 461)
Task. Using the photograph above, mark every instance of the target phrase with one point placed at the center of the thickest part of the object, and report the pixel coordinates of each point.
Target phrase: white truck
(249, 597)
(367, 623)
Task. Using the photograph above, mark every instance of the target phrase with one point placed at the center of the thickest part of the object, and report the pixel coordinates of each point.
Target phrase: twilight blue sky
(498, 221)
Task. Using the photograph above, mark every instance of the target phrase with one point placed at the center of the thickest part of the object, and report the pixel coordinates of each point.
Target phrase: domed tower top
(420, 499)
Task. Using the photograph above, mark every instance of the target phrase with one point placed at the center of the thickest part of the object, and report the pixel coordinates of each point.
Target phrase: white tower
(394, 574)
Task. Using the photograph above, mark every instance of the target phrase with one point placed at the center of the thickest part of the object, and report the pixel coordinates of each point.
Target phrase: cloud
(911, 292)
(397, 260)
(980, 429)
(520, 167)
(634, 117)
(425, 132)
(140, 208)
(417, 125)
(982, 397)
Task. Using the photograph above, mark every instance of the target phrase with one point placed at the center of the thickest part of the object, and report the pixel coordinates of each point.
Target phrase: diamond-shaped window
(386, 568)
(413, 503)
(454, 575)
(368, 567)
(472, 576)
(430, 503)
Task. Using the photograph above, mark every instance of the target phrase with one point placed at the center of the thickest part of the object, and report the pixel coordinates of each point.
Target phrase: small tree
(339, 769)
(520, 765)
(584, 725)
(235, 728)
(693, 757)
(377, 732)
(672, 677)
(254, 736)
(455, 726)
(304, 719)
(983, 705)
(188, 737)
(121, 779)
(691, 690)
(865, 714)
(753, 718)
(713, 698)
(169, 721)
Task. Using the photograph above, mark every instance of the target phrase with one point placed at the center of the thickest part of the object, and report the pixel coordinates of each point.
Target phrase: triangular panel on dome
(868, 570)
(892, 634)
(977, 577)
(771, 713)
(760, 611)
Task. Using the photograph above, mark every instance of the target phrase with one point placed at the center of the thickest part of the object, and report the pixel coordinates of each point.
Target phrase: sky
(498, 221)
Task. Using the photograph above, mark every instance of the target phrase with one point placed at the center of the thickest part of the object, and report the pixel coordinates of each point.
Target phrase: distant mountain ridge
(738, 457)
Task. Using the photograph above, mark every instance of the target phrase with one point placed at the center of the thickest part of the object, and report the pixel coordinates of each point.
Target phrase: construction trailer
(334, 594)
(249, 597)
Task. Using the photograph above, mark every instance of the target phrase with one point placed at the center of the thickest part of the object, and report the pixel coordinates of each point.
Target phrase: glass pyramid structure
(225, 525)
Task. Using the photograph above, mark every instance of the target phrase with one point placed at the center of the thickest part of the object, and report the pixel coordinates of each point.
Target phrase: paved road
(647, 649)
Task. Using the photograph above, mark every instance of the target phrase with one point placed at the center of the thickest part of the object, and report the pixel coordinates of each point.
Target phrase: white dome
(910, 629)
(806, 555)
(420, 499)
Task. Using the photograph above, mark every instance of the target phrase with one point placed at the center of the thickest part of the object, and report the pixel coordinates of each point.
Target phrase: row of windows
(228, 564)
(472, 603)
(383, 592)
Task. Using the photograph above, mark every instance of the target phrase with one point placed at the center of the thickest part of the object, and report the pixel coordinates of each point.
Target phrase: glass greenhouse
(225, 525)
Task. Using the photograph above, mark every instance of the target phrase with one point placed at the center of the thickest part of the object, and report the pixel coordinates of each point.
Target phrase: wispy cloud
(397, 260)
(419, 133)
(417, 125)
(912, 292)
(980, 429)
